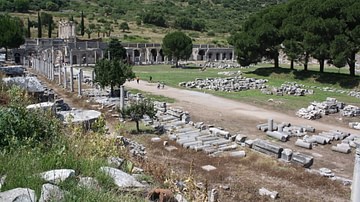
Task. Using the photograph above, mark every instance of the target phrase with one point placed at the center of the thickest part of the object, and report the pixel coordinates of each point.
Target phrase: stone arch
(153, 54)
(231, 56)
(224, 56)
(217, 56)
(83, 58)
(17, 58)
(74, 59)
(201, 54)
(162, 56)
(210, 56)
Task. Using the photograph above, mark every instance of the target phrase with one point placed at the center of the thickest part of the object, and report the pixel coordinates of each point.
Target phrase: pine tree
(50, 28)
(82, 26)
(39, 26)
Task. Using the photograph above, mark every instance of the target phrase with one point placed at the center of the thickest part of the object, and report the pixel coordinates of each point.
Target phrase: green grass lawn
(330, 78)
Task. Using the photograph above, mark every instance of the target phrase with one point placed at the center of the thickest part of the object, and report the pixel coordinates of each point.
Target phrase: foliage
(177, 45)
(124, 26)
(113, 73)
(154, 18)
(12, 32)
(137, 109)
(325, 30)
(39, 26)
(116, 50)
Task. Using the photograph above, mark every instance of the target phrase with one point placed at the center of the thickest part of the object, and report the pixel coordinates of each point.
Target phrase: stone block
(208, 168)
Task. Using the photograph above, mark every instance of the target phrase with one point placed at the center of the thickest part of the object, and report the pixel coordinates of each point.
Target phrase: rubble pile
(318, 109)
(288, 88)
(222, 65)
(231, 73)
(354, 125)
(350, 111)
(230, 84)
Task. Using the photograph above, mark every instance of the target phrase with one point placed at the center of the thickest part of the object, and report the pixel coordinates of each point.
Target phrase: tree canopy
(177, 45)
(116, 50)
(12, 32)
(327, 30)
(137, 109)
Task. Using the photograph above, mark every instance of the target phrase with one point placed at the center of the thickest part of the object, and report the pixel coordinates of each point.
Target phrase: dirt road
(212, 106)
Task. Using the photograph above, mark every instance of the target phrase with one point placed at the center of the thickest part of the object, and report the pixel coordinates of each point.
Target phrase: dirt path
(210, 105)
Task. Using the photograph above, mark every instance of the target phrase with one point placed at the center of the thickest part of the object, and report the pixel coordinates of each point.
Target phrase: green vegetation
(178, 46)
(325, 30)
(34, 141)
(276, 76)
(12, 32)
(137, 109)
(112, 70)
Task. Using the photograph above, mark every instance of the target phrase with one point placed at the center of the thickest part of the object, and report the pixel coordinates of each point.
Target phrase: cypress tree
(39, 26)
(28, 28)
(82, 26)
(50, 28)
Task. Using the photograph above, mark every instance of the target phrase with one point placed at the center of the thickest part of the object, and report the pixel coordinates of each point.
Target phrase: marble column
(355, 191)
(80, 82)
(71, 79)
(65, 77)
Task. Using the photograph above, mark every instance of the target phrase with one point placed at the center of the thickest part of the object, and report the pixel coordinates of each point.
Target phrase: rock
(2, 181)
(18, 195)
(51, 192)
(88, 183)
(115, 161)
(180, 198)
(213, 195)
(208, 167)
(155, 139)
(57, 176)
(225, 187)
(265, 192)
(237, 154)
(121, 179)
(326, 172)
(170, 148)
(161, 195)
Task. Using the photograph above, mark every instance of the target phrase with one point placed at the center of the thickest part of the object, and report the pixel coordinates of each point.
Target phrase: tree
(49, 28)
(28, 32)
(39, 26)
(116, 50)
(82, 25)
(183, 23)
(21, 5)
(246, 49)
(113, 73)
(124, 26)
(88, 31)
(177, 45)
(12, 32)
(136, 111)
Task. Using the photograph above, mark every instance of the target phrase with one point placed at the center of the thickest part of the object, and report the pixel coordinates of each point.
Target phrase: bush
(211, 33)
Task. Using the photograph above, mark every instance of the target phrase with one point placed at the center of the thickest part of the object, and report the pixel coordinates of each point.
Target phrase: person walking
(137, 79)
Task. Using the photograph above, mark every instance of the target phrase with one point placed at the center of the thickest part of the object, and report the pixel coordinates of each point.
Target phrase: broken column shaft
(355, 193)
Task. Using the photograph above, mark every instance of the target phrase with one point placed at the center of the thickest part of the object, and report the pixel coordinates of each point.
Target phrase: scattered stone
(267, 148)
(350, 111)
(155, 139)
(355, 125)
(326, 172)
(342, 148)
(225, 187)
(2, 181)
(180, 198)
(170, 148)
(239, 154)
(121, 179)
(57, 176)
(302, 159)
(115, 161)
(208, 168)
(88, 183)
(265, 192)
(286, 155)
(18, 195)
(51, 192)
(213, 195)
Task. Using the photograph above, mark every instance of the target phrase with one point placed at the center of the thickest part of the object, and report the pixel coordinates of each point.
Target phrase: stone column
(233, 56)
(71, 79)
(355, 191)
(92, 78)
(108, 55)
(122, 98)
(79, 82)
(59, 69)
(95, 57)
(270, 124)
(102, 54)
(71, 58)
(65, 77)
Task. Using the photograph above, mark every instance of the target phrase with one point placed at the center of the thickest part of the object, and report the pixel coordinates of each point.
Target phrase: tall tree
(39, 28)
(112, 73)
(82, 25)
(12, 32)
(116, 50)
(124, 26)
(28, 33)
(246, 48)
(177, 45)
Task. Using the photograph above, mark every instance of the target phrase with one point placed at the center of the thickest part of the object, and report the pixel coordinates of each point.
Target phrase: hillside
(206, 21)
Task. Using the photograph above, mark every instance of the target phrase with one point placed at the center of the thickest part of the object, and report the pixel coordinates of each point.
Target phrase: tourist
(137, 79)
(150, 78)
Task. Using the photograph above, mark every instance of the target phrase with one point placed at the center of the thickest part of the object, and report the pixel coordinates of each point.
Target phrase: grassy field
(331, 78)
